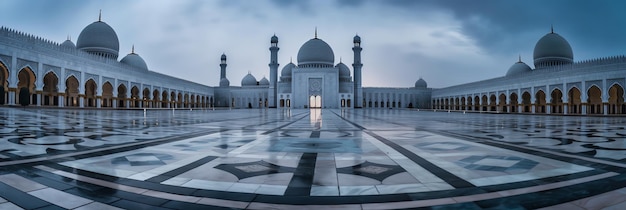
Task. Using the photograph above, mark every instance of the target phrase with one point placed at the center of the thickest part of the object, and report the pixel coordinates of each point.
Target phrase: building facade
(88, 74)
(316, 81)
(557, 85)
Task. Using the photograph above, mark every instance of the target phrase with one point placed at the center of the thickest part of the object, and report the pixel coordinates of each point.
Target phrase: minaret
(358, 89)
(223, 67)
(273, 72)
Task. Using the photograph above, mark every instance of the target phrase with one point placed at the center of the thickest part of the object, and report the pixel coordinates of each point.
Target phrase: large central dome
(552, 49)
(316, 53)
(100, 39)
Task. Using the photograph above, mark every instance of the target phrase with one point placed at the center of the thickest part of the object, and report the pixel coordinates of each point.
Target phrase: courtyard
(308, 158)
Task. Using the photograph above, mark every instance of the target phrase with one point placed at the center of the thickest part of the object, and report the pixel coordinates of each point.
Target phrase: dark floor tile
(185, 205)
(20, 198)
(126, 204)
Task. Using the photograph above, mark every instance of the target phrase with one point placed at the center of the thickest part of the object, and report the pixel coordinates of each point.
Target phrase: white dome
(421, 83)
(248, 80)
(134, 60)
(518, 68)
(69, 44)
(344, 71)
(264, 82)
(286, 72)
(99, 38)
(552, 49)
(316, 52)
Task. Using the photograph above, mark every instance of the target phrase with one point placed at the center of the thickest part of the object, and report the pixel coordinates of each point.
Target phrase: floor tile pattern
(285, 159)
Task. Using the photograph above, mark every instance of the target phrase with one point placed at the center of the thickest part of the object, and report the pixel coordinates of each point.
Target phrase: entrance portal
(315, 101)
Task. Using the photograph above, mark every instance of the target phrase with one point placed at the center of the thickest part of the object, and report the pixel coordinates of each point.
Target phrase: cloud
(402, 39)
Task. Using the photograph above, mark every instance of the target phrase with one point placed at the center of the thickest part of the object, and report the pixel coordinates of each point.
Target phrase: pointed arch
(502, 103)
(50, 94)
(122, 98)
(134, 97)
(180, 100)
(616, 99)
(4, 83)
(71, 91)
(514, 102)
(164, 99)
(556, 101)
(484, 103)
(594, 100)
(174, 99)
(156, 95)
(107, 95)
(91, 91)
(26, 82)
(574, 101)
(492, 102)
(540, 102)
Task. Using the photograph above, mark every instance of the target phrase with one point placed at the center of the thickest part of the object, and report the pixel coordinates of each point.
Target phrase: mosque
(88, 75)
(557, 85)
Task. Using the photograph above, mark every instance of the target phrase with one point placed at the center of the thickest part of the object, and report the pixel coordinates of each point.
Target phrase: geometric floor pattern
(291, 159)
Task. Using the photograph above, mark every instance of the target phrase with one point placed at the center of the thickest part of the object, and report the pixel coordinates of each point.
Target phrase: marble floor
(308, 159)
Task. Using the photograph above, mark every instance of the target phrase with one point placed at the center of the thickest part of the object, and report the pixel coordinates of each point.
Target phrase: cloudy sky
(446, 42)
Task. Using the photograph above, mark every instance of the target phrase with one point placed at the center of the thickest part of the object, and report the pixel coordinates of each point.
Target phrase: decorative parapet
(604, 64)
(54, 49)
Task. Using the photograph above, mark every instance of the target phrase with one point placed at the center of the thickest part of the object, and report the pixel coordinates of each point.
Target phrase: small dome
(286, 72)
(552, 49)
(357, 39)
(68, 44)
(274, 39)
(248, 80)
(421, 83)
(264, 82)
(223, 57)
(344, 71)
(316, 52)
(134, 60)
(518, 68)
(224, 82)
(100, 39)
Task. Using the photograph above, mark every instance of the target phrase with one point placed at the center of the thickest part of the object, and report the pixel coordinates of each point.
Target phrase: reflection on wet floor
(269, 157)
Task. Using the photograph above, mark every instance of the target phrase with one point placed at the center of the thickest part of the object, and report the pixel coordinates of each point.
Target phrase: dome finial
(316, 32)
(100, 16)
(519, 60)
(340, 59)
(132, 51)
(290, 59)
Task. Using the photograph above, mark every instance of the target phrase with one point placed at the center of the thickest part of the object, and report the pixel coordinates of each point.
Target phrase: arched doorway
(315, 101)
(514, 103)
(502, 103)
(173, 99)
(134, 95)
(540, 102)
(4, 83)
(155, 99)
(107, 95)
(71, 91)
(164, 100)
(594, 100)
(556, 101)
(26, 81)
(145, 101)
(616, 99)
(50, 89)
(574, 100)
(121, 96)
(526, 101)
(90, 93)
